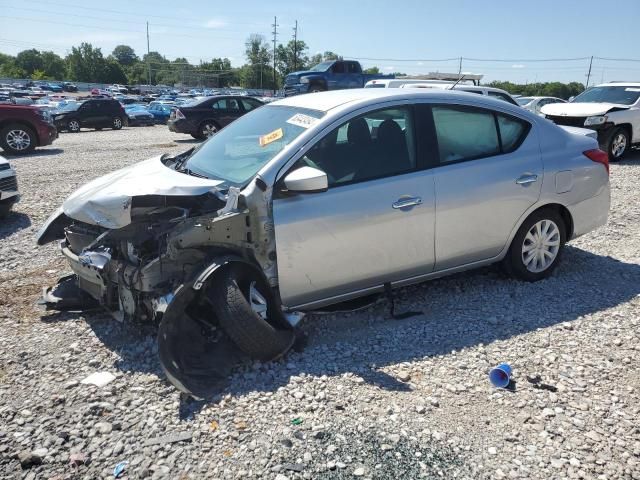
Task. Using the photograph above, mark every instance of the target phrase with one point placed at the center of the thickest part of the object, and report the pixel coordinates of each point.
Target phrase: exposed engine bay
(154, 263)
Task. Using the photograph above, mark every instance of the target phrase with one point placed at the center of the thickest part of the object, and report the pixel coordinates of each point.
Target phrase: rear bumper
(591, 213)
(180, 126)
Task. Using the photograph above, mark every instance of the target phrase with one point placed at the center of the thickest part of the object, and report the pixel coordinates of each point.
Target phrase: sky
(496, 38)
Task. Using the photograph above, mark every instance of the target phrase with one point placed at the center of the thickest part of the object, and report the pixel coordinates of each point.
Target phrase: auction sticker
(302, 120)
(271, 137)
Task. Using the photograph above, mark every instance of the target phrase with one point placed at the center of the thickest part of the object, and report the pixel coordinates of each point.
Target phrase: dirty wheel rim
(540, 246)
(209, 129)
(619, 145)
(117, 122)
(18, 140)
(257, 301)
(74, 126)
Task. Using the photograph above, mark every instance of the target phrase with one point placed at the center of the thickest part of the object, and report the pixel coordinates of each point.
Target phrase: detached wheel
(116, 123)
(207, 129)
(17, 139)
(618, 144)
(244, 306)
(535, 250)
(73, 126)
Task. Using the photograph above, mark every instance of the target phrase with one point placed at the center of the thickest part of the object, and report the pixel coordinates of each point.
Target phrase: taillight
(598, 156)
(179, 114)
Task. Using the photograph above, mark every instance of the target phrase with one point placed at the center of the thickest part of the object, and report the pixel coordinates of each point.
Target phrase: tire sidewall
(513, 261)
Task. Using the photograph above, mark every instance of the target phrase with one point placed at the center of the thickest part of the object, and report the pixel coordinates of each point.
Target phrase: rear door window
(465, 133)
(512, 132)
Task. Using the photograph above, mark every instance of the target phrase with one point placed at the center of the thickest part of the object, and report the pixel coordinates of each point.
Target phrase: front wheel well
(564, 214)
(22, 123)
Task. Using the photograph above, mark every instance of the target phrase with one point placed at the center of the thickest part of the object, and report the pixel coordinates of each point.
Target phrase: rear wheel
(618, 144)
(207, 129)
(17, 139)
(246, 310)
(535, 250)
(73, 126)
(116, 123)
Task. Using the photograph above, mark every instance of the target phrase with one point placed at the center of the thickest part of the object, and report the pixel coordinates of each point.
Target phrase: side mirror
(306, 180)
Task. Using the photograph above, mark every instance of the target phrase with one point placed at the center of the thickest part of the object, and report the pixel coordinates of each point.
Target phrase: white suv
(612, 109)
(8, 187)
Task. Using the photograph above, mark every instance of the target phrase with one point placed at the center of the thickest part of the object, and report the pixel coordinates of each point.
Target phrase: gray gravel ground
(369, 397)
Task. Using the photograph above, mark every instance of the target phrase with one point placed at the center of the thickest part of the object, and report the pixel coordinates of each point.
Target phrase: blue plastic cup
(500, 376)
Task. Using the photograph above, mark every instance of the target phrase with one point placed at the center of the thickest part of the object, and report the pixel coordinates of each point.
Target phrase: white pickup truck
(611, 109)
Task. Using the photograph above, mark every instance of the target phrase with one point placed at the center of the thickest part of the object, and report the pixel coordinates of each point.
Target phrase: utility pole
(148, 51)
(275, 39)
(295, 47)
(460, 68)
(589, 73)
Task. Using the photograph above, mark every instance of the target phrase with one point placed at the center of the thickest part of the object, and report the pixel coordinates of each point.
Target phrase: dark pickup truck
(331, 75)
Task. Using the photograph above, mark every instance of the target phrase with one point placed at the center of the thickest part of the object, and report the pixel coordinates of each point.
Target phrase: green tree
(86, 64)
(53, 65)
(259, 57)
(125, 55)
(372, 71)
(29, 61)
(291, 57)
(113, 73)
(8, 67)
(323, 57)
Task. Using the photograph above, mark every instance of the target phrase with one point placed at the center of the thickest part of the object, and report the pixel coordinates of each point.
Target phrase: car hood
(579, 109)
(106, 201)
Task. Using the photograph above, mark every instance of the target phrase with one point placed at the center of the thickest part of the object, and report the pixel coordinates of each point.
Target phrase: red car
(23, 128)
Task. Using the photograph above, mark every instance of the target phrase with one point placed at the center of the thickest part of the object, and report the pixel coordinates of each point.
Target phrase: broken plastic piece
(296, 421)
(500, 376)
(119, 469)
(232, 201)
(67, 296)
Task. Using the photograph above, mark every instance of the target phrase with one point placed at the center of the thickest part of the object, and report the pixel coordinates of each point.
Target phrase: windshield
(237, 152)
(621, 95)
(321, 67)
(69, 107)
(524, 100)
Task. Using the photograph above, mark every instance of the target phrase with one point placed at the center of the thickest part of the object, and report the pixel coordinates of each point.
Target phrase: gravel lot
(369, 397)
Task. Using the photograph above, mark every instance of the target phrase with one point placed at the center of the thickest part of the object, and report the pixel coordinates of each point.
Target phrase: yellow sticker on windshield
(271, 137)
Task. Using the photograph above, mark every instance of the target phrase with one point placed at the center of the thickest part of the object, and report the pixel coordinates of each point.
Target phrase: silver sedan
(321, 198)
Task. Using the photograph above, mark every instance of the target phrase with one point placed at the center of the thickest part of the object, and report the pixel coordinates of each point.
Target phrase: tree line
(86, 63)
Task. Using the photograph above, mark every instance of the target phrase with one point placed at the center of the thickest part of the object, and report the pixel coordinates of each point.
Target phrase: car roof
(620, 84)
(326, 101)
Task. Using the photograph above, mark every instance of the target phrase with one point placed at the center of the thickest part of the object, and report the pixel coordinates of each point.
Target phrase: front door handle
(527, 179)
(406, 202)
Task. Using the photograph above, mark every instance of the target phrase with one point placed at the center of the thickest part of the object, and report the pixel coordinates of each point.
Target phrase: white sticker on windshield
(632, 89)
(302, 120)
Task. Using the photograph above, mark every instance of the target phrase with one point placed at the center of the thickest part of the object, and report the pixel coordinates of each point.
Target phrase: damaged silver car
(317, 199)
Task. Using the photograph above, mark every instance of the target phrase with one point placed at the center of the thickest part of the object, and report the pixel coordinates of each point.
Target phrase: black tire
(255, 336)
(195, 136)
(207, 129)
(18, 139)
(514, 263)
(617, 144)
(116, 123)
(73, 125)
(316, 88)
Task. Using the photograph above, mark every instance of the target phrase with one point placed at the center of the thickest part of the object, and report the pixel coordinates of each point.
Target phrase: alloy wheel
(619, 145)
(18, 140)
(117, 123)
(208, 129)
(74, 126)
(541, 246)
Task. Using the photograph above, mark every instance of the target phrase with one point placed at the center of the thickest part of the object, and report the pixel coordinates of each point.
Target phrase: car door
(489, 173)
(88, 114)
(338, 78)
(374, 224)
(226, 110)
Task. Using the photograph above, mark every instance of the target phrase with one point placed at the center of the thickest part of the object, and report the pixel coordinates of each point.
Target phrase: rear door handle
(407, 202)
(527, 179)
